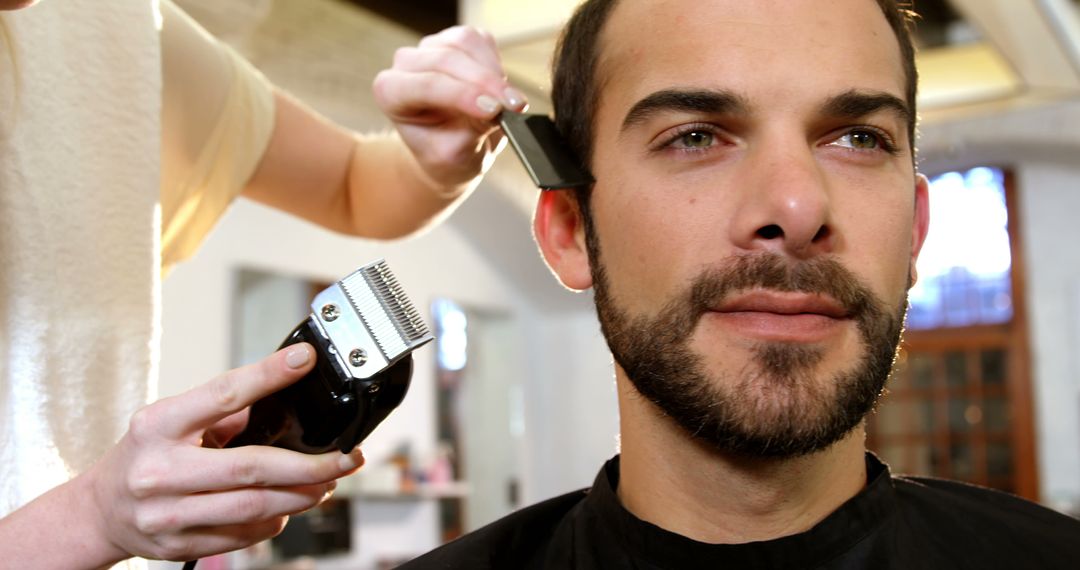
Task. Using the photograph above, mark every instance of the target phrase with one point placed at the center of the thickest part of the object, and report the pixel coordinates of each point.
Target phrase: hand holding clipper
(364, 330)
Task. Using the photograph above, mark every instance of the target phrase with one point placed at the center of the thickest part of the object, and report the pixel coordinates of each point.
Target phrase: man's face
(756, 213)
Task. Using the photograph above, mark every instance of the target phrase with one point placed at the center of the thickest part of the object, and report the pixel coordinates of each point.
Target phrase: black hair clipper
(364, 330)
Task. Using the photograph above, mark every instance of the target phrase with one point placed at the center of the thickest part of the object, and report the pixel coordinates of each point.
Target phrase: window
(964, 268)
(959, 402)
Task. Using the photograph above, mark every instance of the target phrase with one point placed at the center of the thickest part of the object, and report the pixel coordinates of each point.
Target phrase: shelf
(424, 491)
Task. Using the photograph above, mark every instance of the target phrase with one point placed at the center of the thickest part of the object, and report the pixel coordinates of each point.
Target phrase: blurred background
(515, 402)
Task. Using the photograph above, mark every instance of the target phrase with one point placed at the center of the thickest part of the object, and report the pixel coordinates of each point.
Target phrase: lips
(773, 316)
(783, 303)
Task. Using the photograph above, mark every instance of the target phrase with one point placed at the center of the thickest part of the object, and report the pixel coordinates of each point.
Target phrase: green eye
(697, 139)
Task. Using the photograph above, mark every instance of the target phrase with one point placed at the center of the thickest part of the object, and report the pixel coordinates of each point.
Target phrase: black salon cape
(895, 522)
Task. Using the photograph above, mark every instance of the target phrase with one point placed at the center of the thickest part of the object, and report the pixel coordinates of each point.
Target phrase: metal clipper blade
(363, 329)
(369, 321)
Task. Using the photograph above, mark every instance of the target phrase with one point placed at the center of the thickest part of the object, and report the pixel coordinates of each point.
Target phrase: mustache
(822, 276)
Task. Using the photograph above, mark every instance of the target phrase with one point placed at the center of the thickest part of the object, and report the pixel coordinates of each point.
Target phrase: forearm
(363, 185)
(391, 195)
(60, 529)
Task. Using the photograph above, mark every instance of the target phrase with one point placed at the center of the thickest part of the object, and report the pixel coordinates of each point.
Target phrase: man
(751, 237)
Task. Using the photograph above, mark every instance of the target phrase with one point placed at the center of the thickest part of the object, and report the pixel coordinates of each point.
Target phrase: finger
(459, 65)
(477, 44)
(222, 432)
(230, 508)
(480, 46)
(496, 141)
(190, 470)
(249, 506)
(203, 542)
(192, 412)
(489, 39)
(426, 98)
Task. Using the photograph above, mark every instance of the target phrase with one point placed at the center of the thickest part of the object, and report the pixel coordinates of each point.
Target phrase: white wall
(571, 411)
(1050, 199)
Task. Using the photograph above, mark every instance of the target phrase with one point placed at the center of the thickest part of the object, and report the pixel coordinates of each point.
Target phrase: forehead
(771, 51)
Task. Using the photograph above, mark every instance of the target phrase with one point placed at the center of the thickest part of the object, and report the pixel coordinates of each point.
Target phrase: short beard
(772, 406)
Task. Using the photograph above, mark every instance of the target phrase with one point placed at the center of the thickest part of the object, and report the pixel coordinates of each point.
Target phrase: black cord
(190, 564)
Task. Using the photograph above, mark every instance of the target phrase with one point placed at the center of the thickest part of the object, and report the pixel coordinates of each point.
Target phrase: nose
(784, 205)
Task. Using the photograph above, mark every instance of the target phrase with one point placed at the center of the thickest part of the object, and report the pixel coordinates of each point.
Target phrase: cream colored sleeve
(217, 118)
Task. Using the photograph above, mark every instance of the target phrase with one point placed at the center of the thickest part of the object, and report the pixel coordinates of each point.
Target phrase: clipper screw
(330, 312)
(358, 357)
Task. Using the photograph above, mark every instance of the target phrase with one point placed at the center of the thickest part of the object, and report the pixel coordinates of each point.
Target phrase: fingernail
(514, 98)
(354, 459)
(297, 356)
(487, 104)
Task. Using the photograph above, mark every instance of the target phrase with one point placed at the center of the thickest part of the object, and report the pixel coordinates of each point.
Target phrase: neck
(686, 487)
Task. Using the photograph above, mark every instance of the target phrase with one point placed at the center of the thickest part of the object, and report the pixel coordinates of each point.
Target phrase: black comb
(543, 151)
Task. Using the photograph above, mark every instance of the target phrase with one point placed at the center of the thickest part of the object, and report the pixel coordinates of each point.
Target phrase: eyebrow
(854, 104)
(699, 101)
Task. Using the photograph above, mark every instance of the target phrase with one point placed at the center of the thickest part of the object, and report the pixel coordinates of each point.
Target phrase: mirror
(480, 410)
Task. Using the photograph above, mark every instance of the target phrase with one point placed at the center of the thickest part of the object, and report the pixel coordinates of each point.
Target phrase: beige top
(217, 117)
(121, 144)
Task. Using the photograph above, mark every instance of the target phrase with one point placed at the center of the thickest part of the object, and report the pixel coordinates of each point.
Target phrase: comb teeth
(385, 309)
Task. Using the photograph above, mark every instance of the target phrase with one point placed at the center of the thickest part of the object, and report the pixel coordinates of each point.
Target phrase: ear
(921, 221)
(560, 233)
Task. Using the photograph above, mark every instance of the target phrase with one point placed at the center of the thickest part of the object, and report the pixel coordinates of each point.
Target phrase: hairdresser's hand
(443, 97)
(163, 493)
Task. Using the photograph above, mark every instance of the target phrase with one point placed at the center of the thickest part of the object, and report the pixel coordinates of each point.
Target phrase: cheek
(650, 240)
(878, 247)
